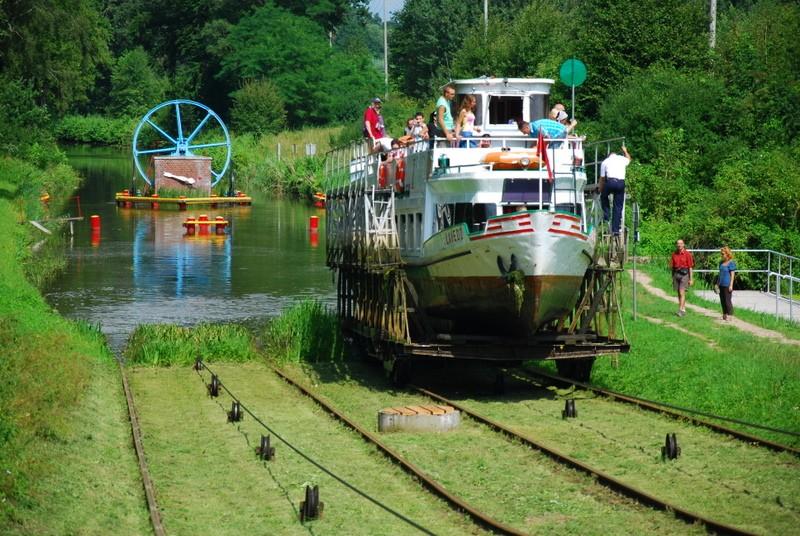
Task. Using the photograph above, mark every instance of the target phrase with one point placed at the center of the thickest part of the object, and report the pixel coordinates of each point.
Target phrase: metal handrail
(773, 270)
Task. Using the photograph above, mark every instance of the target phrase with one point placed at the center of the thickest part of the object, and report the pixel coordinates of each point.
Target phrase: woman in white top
(465, 122)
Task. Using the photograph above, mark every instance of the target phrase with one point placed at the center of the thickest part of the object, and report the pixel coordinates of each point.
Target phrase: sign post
(573, 73)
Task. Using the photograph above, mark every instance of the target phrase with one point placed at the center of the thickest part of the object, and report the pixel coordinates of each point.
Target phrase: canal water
(142, 269)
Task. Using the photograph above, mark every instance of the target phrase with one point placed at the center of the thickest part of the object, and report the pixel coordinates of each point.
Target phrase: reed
(164, 345)
(306, 331)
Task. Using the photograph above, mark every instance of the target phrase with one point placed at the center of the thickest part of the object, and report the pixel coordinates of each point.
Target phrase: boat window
(504, 109)
(474, 214)
(538, 106)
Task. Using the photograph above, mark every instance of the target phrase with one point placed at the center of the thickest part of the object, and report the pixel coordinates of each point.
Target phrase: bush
(305, 332)
(25, 130)
(258, 108)
(96, 129)
(135, 85)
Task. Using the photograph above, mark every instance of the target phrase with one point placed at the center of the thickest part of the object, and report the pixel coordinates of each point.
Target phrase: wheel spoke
(161, 131)
(204, 145)
(178, 117)
(197, 129)
(154, 151)
(217, 175)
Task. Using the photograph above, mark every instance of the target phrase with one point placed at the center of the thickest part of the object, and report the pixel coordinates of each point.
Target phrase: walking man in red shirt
(681, 263)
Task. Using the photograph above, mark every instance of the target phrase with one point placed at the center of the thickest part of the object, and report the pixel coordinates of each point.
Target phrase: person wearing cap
(612, 181)
(373, 122)
(550, 126)
(564, 119)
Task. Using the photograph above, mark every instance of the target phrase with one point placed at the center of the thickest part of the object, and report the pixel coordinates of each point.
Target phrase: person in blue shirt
(727, 273)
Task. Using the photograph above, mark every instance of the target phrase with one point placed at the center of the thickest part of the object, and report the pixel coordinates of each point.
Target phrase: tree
(519, 46)
(135, 86)
(56, 45)
(258, 108)
(293, 52)
(759, 58)
(618, 38)
(427, 35)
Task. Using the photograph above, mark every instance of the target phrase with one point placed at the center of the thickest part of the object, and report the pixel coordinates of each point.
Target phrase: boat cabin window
(504, 109)
(473, 214)
(538, 107)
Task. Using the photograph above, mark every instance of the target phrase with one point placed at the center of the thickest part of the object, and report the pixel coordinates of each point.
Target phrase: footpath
(647, 282)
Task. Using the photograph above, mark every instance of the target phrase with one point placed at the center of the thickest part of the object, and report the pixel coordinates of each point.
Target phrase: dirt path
(647, 282)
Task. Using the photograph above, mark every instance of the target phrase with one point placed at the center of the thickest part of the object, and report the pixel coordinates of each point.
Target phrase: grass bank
(702, 363)
(259, 165)
(66, 465)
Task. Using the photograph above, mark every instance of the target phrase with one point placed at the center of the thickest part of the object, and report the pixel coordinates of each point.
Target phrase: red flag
(542, 146)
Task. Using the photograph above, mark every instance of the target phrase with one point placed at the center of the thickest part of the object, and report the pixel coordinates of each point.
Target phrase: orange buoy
(154, 204)
(520, 159)
(219, 228)
(181, 206)
(94, 220)
(203, 223)
(382, 175)
(189, 224)
(400, 175)
(313, 223)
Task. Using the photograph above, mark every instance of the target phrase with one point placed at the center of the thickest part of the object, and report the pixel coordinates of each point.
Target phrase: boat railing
(594, 154)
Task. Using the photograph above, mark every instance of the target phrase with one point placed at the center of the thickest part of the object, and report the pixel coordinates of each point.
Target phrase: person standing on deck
(727, 273)
(612, 181)
(444, 115)
(681, 264)
(373, 123)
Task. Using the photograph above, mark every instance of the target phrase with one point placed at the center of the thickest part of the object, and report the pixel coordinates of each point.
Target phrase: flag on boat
(542, 145)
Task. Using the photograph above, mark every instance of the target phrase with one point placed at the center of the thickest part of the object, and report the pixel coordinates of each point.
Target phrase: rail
(779, 271)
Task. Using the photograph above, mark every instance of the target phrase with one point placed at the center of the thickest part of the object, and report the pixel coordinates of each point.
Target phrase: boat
(495, 240)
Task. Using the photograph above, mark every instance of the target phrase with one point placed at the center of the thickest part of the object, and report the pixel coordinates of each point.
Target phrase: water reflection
(142, 269)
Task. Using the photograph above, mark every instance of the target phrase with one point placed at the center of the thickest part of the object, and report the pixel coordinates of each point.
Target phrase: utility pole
(485, 18)
(712, 27)
(385, 53)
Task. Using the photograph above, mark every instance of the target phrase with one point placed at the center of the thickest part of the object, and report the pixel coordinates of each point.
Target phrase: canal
(142, 269)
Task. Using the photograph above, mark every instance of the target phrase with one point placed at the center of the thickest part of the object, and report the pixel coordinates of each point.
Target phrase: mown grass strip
(209, 477)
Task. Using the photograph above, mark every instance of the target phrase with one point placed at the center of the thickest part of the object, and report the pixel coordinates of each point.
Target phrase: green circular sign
(573, 72)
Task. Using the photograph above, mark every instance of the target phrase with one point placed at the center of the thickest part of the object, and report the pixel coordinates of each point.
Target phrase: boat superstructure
(492, 239)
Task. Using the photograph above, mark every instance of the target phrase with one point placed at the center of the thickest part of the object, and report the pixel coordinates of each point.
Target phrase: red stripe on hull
(568, 233)
(504, 233)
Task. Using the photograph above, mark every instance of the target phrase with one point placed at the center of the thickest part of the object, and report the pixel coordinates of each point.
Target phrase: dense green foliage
(135, 85)
(305, 332)
(96, 129)
(258, 108)
(168, 345)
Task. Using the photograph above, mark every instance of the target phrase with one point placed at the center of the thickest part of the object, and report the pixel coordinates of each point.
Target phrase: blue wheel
(162, 131)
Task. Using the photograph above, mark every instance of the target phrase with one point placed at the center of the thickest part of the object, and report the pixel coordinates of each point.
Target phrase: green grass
(516, 485)
(209, 481)
(256, 164)
(170, 345)
(719, 369)
(304, 332)
(62, 422)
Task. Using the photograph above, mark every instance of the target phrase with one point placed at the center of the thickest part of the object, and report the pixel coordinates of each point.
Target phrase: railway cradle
(669, 410)
(609, 481)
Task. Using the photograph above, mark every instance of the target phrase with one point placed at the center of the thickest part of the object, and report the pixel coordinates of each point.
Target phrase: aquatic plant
(307, 331)
(164, 345)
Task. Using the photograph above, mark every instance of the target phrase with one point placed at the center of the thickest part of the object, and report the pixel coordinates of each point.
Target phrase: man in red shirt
(681, 263)
(373, 123)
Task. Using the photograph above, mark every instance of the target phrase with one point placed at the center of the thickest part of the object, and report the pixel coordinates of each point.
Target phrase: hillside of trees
(713, 129)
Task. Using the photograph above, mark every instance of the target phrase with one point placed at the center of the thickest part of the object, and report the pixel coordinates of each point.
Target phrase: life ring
(400, 175)
(382, 175)
(522, 159)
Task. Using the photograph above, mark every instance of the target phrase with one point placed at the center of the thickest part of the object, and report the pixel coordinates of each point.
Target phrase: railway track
(668, 410)
(482, 518)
